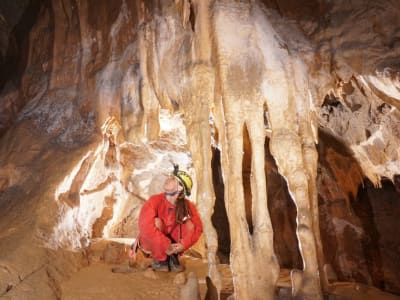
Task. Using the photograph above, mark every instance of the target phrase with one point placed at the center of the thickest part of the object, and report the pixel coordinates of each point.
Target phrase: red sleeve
(147, 226)
(189, 240)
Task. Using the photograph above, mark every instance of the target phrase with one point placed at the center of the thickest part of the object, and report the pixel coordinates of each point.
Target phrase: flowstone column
(307, 124)
(285, 88)
(197, 113)
(199, 141)
(289, 151)
(240, 106)
(253, 263)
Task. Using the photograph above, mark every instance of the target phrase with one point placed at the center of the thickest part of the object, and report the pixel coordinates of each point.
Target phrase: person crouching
(169, 223)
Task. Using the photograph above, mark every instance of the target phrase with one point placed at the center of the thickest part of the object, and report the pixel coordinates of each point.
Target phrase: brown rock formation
(285, 113)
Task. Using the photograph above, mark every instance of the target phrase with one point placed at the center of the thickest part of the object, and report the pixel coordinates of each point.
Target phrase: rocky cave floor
(104, 279)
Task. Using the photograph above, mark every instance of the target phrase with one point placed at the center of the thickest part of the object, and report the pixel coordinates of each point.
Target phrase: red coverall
(156, 241)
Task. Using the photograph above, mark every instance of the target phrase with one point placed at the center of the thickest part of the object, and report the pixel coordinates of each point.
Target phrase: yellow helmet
(184, 179)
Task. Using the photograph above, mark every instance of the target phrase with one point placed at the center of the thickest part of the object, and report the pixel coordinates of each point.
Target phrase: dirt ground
(99, 282)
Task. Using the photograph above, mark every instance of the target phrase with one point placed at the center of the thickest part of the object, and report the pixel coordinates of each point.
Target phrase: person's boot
(159, 265)
(174, 264)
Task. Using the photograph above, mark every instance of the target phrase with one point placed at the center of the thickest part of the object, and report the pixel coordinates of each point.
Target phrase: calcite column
(197, 112)
(307, 123)
(253, 263)
(295, 156)
(240, 104)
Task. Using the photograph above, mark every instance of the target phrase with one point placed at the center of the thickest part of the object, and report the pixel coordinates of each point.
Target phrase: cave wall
(357, 219)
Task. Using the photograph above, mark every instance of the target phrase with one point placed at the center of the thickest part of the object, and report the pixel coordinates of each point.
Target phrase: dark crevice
(15, 66)
(331, 101)
(246, 173)
(192, 17)
(219, 218)
(16, 56)
(283, 215)
(378, 210)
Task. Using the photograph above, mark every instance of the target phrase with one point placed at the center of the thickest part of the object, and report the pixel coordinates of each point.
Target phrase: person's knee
(189, 226)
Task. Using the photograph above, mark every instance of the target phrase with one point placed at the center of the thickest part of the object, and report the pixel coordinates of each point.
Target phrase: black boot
(161, 266)
(174, 264)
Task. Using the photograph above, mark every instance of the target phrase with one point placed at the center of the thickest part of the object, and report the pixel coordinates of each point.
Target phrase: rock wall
(357, 220)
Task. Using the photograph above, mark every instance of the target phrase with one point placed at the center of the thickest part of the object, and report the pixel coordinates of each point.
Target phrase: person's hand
(178, 247)
(170, 250)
